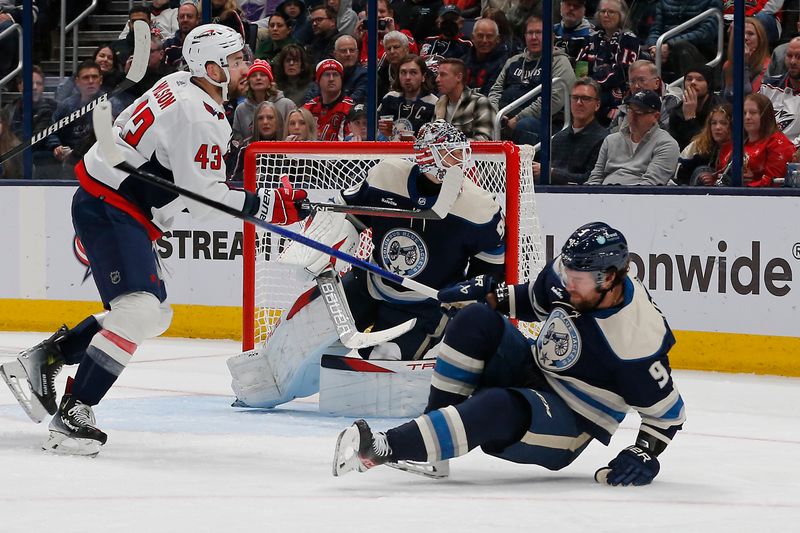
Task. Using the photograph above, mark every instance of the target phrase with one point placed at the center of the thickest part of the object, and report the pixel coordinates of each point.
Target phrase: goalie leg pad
(288, 366)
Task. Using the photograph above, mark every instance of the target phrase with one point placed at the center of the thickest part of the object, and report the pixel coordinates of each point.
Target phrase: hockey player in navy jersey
(437, 253)
(177, 130)
(602, 351)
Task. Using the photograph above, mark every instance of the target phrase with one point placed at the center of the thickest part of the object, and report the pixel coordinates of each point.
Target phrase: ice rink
(180, 459)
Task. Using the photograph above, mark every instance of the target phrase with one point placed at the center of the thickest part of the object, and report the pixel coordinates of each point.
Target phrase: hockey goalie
(360, 310)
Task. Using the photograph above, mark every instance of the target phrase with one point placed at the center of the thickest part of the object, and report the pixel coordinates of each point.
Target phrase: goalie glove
(331, 229)
(281, 206)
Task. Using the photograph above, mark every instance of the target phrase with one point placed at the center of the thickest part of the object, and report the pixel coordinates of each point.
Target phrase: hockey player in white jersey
(177, 130)
(602, 351)
(438, 253)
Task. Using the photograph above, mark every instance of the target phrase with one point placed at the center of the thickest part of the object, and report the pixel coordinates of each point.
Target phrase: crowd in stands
(637, 115)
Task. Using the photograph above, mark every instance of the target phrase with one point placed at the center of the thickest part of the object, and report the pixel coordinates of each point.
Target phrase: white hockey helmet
(211, 43)
(435, 142)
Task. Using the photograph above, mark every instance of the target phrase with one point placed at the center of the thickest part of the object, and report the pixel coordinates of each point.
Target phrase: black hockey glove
(633, 466)
(471, 290)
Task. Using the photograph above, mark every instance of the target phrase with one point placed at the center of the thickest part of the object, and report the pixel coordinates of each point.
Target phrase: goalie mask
(597, 248)
(439, 146)
(211, 43)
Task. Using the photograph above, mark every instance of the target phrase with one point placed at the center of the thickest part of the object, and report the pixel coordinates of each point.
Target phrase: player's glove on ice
(471, 290)
(281, 206)
(633, 466)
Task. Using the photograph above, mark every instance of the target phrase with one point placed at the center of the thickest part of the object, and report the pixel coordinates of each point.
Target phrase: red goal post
(322, 168)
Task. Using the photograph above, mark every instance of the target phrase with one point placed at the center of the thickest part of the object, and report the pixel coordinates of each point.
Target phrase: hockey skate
(359, 449)
(31, 377)
(433, 469)
(72, 430)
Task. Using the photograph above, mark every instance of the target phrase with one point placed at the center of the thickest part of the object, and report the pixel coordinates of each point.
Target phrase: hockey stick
(332, 293)
(105, 137)
(451, 188)
(141, 56)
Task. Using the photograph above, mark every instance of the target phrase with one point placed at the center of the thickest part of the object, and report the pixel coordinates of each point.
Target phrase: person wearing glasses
(573, 32)
(323, 24)
(640, 153)
(574, 149)
(354, 76)
(608, 54)
(643, 76)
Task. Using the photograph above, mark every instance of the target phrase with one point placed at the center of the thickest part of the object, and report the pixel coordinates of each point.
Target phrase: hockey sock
(106, 358)
(472, 338)
(77, 340)
(494, 418)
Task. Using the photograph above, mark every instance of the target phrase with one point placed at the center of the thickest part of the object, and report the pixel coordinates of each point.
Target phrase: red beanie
(259, 65)
(326, 65)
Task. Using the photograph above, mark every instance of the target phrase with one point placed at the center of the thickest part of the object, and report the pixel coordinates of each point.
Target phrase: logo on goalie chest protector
(558, 346)
(404, 252)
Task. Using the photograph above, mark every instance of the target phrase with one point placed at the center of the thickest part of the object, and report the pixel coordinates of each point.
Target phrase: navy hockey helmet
(595, 247)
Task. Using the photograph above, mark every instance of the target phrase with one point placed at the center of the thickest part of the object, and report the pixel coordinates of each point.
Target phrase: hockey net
(322, 168)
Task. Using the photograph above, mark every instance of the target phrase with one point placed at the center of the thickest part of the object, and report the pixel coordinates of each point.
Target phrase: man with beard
(410, 104)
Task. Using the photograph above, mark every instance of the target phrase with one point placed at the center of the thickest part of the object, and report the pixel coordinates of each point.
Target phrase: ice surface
(180, 459)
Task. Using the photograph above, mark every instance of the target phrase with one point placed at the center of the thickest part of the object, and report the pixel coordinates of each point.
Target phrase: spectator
(358, 123)
(386, 24)
(267, 126)
(643, 75)
(346, 18)
(410, 103)
(293, 73)
(766, 150)
(10, 14)
(486, 57)
(300, 126)
(609, 53)
(756, 57)
(123, 48)
(279, 36)
(777, 63)
(396, 45)
(574, 149)
(323, 24)
(220, 6)
(517, 12)
(641, 153)
(260, 88)
(331, 108)
(522, 73)
(450, 42)
(573, 32)
(294, 11)
(686, 120)
(109, 67)
(345, 51)
(508, 36)
(417, 16)
(707, 157)
(255, 10)
(70, 142)
(156, 69)
(11, 169)
(765, 11)
(695, 45)
(163, 18)
(466, 109)
(234, 19)
(784, 93)
(188, 19)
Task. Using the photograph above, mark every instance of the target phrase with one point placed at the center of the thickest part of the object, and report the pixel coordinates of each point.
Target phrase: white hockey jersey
(177, 131)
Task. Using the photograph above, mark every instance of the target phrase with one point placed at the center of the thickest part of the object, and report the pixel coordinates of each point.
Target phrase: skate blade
(345, 457)
(435, 470)
(17, 380)
(61, 444)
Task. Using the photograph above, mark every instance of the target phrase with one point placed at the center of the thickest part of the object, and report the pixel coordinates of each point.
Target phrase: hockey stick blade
(332, 292)
(105, 139)
(451, 188)
(141, 55)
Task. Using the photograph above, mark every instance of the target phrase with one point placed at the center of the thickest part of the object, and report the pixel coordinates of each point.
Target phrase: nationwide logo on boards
(746, 274)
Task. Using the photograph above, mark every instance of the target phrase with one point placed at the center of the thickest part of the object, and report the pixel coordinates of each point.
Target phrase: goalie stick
(141, 55)
(101, 119)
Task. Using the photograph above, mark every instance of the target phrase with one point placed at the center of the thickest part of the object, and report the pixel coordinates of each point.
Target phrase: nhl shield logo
(404, 252)
(558, 345)
(115, 277)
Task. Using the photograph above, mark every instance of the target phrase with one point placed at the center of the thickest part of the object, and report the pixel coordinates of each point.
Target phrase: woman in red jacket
(766, 150)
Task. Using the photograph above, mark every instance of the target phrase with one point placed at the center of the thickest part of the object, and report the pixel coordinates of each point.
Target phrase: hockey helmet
(595, 247)
(435, 142)
(211, 43)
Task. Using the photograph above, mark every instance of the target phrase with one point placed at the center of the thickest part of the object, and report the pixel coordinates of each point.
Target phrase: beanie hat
(328, 64)
(259, 65)
(707, 73)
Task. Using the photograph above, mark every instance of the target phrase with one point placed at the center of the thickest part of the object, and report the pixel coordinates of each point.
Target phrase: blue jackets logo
(404, 252)
(558, 345)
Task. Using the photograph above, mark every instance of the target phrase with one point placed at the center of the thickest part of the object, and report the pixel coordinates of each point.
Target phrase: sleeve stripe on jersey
(495, 257)
(656, 433)
(668, 408)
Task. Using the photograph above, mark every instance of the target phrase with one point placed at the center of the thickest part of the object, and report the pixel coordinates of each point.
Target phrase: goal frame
(509, 150)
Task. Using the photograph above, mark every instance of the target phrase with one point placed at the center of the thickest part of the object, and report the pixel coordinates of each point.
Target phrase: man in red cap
(331, 107)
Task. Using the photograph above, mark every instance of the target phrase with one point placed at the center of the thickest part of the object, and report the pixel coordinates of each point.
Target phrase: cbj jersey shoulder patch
(559, 344)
